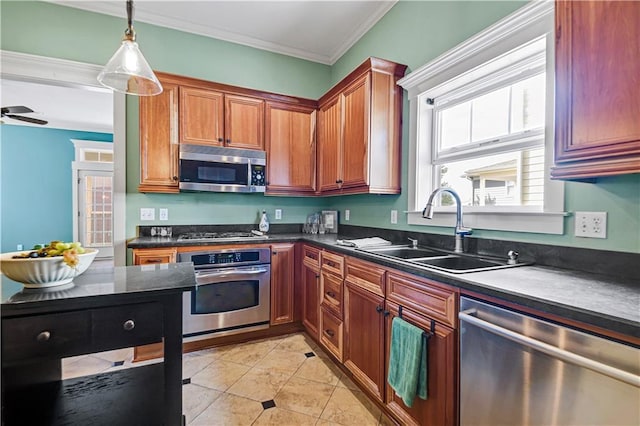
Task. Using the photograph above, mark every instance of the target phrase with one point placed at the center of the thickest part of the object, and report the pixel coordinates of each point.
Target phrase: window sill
(524, 221)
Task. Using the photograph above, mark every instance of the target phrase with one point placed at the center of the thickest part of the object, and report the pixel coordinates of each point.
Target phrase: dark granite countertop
(602, 301)
(100, 282)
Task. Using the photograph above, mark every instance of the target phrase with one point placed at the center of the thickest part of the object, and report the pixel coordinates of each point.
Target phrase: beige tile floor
(286, 380)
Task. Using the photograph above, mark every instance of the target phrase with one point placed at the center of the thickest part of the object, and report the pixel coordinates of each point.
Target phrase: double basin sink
(441, 260)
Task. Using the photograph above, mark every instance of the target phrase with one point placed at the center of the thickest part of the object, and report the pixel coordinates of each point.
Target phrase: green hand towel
(408, 361)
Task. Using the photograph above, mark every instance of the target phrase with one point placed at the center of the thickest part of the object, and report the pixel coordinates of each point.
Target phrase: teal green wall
(415, 33)
(35, 182)
(412, 32)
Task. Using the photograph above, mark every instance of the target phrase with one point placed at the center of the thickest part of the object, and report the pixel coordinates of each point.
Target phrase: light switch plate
(147, 213)
(394, 216)
(164, 214)
(278, 214)
(347, 214)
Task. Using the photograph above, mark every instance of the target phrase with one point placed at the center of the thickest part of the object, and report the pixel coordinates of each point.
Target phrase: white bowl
(44, 271)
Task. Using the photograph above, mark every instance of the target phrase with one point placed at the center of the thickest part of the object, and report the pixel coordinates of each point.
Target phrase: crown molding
(507, 28)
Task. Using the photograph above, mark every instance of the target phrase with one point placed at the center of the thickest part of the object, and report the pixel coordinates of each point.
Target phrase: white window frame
(532, 21)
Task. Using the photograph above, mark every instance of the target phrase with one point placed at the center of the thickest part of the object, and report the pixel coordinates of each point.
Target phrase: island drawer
(72, 333)
(127, 325)
(46, 336)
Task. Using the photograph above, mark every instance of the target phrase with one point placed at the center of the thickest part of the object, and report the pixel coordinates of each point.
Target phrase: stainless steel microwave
(219, 169)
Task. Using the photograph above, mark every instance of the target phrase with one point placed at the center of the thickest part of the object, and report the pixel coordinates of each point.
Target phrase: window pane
(454, 126)
(510, 179)
(490, 115)
(527, 104)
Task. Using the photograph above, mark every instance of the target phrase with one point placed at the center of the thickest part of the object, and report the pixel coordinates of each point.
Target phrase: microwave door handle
(216, 277)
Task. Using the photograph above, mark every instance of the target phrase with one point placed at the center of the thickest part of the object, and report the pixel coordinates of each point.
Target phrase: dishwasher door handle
(554, 351)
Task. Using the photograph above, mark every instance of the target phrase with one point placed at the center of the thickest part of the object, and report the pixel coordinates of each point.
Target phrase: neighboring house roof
(491, 168)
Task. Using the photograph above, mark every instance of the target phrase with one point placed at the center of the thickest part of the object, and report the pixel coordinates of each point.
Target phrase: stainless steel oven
(232, 292)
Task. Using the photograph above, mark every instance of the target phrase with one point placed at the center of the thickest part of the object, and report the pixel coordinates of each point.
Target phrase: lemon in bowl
(38, 272)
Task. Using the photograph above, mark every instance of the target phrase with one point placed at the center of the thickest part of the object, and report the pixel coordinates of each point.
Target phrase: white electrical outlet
(347, 214)
(278, 214)
(147, 214)
(591, 224)
(19, 247)
(394, 216)
(163, 214)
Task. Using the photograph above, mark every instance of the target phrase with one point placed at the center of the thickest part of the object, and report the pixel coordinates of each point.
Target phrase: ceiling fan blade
(27, 119)
(16, 110)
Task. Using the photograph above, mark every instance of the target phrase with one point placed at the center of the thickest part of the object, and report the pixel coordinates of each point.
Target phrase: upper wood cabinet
(360, 131)
(210, 117)
(201, 116)
(159, 141)
(597, 95)
(291, 148)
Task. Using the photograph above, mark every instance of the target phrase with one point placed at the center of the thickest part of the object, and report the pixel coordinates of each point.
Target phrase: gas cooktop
(221, 236)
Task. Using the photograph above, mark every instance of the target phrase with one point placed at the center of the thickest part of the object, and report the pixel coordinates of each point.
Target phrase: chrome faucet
(461, 231)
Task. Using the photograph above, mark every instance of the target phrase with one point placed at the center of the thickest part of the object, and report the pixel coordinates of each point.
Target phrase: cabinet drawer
(46, 336)
(424, 296)
(365, 275)
(311, 257)
(331, 329)
(331, 287)
(154, 256)
(128, 325)
(333, 263)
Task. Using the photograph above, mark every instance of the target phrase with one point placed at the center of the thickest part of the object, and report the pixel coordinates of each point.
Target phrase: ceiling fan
(10, 112)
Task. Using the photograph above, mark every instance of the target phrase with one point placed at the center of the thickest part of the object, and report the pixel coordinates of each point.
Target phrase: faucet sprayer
(460, 230)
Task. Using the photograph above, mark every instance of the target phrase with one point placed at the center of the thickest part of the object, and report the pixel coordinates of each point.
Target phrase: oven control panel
(221, 258)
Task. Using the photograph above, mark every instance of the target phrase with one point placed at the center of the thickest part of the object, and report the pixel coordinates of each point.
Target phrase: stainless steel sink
(441, 260)
(405, 252)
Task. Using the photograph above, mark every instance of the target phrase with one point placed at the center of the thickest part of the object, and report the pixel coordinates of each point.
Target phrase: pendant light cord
(129, 32)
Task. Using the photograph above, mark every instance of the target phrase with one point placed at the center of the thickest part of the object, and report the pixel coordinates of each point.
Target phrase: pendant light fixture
(127, 71)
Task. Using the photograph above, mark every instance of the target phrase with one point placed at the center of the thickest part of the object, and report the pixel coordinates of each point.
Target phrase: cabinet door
(201, 116)
(244, 122)
(153, 256)
(355, 139)
(282, 266)
(364, 338)
(597, 80)
(291, 150)
(329, 145)
(311, 298)
(159, 141)
(439, 408)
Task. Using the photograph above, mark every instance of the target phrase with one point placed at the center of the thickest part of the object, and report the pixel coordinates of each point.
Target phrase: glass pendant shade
(128, 72)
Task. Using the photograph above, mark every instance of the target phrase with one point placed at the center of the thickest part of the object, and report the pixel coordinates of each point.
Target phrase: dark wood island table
(103, 309)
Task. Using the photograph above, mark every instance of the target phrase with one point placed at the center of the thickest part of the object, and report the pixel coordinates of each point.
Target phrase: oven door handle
(215, 277)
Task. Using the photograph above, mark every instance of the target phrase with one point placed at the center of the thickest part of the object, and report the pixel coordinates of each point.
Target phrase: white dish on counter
(43, 272)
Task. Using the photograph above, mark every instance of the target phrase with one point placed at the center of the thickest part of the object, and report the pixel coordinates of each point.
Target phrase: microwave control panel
(257, 175)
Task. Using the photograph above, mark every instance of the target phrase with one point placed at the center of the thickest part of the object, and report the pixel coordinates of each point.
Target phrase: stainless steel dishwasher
(520, 370)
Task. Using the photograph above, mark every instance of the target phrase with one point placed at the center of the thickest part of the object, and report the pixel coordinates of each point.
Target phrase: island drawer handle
(129, 325)
(43, 336)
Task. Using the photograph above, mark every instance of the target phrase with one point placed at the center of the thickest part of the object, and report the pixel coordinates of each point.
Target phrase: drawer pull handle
(43, 336)
(330, 333)
(378, 309)
(129, 325)
(154, 260)
(331, 294)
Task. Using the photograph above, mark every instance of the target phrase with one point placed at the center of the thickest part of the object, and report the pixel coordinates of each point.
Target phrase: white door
(95, 210)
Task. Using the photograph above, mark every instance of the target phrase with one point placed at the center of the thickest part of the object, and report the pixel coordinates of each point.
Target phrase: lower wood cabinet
(440, 406)
(331, 333)
(154, 256)
(364, 338)
(311, 292)
(282, 283)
